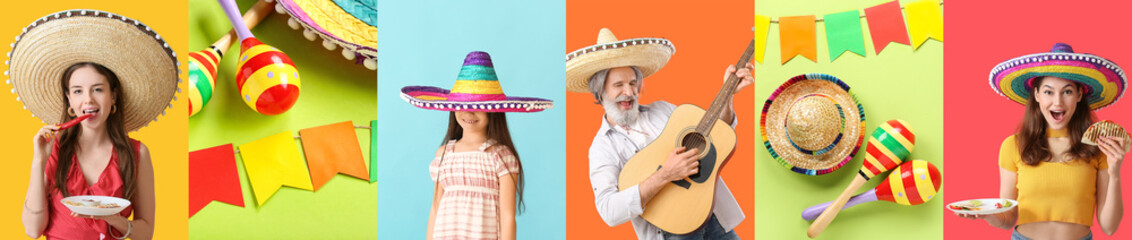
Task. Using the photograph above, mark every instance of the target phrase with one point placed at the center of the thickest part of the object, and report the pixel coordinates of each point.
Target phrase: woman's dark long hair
(496, 130)
(68, 139)
(1031, 134)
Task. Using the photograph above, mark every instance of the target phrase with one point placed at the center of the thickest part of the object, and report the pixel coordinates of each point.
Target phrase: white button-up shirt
(612, 148)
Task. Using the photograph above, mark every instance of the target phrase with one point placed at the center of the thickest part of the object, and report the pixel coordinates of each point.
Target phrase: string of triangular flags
(843, 30)
(275, 161)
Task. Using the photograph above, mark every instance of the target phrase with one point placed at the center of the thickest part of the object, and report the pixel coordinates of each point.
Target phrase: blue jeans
(710, 230)
(1018, 236)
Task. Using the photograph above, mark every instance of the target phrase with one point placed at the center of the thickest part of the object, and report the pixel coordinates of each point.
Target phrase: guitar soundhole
(694, 140)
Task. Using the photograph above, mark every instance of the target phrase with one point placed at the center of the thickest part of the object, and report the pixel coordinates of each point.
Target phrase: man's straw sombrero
(647, 54)
(812, 124)
(145, 64)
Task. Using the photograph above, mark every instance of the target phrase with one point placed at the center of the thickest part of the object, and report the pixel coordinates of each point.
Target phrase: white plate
(987, 206)
(86, 200)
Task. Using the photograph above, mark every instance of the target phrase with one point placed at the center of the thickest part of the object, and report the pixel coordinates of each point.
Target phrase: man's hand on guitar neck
(680, 165)
(745, 79)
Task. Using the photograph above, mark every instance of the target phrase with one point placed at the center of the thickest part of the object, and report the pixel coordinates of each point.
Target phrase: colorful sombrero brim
(434, 98)
(146, 66)
(1103, 79)
(647, 54)
(349, 24)
(773, 122)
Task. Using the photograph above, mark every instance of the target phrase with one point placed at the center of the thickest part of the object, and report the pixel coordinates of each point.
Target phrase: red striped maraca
(913, 183)
(267, 79)
(203, 64)
(890, 143)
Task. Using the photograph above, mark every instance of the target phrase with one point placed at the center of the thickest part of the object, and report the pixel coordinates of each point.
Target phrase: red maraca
(913, 183)
(890, 143)
(203, 64)
(267, 79)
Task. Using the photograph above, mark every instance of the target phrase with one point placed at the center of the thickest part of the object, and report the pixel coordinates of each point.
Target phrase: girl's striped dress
(469, 208)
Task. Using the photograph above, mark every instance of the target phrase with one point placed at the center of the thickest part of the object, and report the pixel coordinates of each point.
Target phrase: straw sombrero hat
(477, 89)
(647, 54)
(145, 64)
(350, 24)
(1104, 81)
(812, 124)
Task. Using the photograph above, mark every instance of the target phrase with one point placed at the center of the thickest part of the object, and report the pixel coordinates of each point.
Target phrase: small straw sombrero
(477, 89)
(812, 124)
(1104, 81)
(647, 54)
(145, 64)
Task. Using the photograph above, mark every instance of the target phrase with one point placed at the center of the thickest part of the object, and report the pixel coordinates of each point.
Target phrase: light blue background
(424, 43)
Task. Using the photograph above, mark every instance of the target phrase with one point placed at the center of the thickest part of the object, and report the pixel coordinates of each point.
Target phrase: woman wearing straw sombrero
(614, 71)
(1057, 180)
(115, 75)
(477, 172)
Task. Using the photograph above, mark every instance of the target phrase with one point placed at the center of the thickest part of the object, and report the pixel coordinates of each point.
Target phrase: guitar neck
(717, 106)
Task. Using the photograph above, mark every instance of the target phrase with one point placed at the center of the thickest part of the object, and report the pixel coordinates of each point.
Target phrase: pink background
(981, 34)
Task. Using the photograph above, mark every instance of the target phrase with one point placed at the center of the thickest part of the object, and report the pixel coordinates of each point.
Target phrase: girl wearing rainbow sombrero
(115, 75)
(478, 175)
(1056, 179)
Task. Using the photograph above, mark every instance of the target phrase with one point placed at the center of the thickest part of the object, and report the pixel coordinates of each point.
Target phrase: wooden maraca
(889, 144)
(913, 183)
(267, 79)
(203, 64)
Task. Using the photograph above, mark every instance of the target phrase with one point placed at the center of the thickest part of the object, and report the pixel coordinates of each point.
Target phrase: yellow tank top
(1059, 192)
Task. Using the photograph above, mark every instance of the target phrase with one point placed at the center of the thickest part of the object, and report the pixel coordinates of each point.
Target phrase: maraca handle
(826, 217)
(251, 18)
(233, 12)
(812, 213)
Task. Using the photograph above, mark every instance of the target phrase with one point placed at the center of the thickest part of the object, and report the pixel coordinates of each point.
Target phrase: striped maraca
(890, 143)
(913, 183)
(267, 79)
(203, 64)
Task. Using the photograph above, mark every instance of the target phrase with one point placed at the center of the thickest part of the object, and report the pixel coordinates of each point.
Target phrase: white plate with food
(95, 205)
(983, 206)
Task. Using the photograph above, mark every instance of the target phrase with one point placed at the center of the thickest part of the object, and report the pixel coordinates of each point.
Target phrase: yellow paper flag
(273, 162)
(925, 20)
(762, 27)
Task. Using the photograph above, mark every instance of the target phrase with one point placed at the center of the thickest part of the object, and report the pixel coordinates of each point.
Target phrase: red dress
(60, 223)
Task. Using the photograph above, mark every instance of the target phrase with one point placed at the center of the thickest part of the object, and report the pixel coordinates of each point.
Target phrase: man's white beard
(623, 118)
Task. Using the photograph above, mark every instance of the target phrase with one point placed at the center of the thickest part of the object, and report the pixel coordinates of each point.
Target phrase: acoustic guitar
(683, 206)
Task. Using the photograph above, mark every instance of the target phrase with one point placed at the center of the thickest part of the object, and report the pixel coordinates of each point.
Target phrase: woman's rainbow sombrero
(1104, 81)
(477, 89)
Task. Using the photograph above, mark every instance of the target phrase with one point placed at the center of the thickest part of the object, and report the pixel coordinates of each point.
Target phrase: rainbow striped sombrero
(477, 89)
(1104, 81)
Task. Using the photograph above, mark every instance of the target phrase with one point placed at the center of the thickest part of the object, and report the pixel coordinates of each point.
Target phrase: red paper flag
(213, 176)
(886, 23)
(333, 149)
(797, 37)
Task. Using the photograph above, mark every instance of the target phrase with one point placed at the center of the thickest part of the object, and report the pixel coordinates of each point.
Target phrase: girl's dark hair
(496, 130)
(68, 139)
(1031, 134)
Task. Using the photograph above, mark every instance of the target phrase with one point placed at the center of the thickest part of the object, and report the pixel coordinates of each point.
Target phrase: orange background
(167, 138)
(708, 37)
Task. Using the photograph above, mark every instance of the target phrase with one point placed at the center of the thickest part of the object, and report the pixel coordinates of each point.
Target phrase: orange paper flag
(333, 149)
(797, 37)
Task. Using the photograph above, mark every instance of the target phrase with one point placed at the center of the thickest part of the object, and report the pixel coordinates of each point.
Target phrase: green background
(899, 83)
(333, 90)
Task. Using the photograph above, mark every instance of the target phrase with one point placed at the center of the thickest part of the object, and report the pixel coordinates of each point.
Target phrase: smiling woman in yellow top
(1058, 181)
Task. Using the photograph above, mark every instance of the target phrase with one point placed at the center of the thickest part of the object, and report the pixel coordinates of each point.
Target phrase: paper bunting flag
(372, 151)
(332, 149)
(797, 37)
(762, 28)
(273, 162)
(886, 25)
(925, 20)
(843, 33)
(213, 177)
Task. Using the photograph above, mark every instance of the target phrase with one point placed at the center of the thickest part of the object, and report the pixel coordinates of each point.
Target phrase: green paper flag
(843, 32)
(373, 151)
